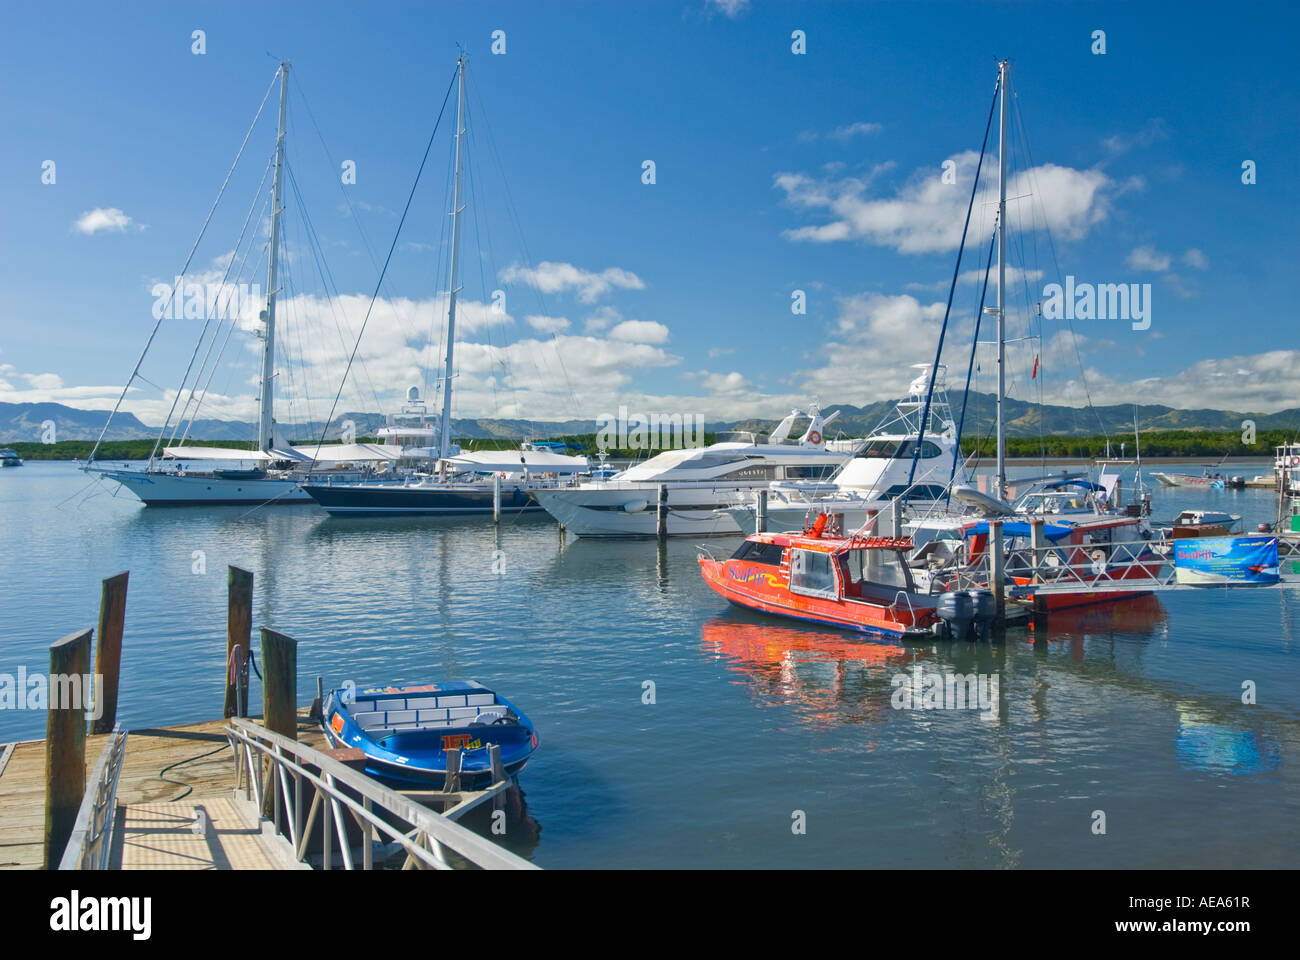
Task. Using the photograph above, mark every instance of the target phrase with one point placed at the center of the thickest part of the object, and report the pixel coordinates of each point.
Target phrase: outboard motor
(985, 607)
(956, 609)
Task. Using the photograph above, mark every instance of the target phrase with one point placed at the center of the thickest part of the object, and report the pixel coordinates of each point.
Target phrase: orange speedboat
(855, 583)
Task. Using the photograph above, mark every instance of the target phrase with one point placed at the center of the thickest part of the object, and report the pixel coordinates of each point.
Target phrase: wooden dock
(160, 766)
(224, 794)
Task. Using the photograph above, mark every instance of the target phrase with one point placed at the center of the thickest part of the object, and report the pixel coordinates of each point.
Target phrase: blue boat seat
(369, 721)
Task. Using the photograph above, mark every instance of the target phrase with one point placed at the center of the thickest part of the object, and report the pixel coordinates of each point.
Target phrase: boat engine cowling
(956, 610)
(986, 610)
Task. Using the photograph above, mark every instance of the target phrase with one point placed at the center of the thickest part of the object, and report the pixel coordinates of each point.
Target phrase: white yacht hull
(178, 490)
(604, 512)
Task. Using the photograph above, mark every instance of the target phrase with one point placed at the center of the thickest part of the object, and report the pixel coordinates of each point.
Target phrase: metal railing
(277, 770)
(1121, 566)
(91, 841)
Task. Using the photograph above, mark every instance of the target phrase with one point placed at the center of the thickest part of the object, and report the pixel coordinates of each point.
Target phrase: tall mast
(444, 427)
(1003, 70)
(266, 417)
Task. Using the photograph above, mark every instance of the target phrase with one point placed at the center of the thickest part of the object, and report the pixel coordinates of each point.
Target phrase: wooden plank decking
(174, 753)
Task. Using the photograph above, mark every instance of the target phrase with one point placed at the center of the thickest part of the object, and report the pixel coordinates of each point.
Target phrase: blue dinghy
(405, 732)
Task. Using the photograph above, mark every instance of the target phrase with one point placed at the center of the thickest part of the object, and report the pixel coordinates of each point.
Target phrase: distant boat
(1204, 481)
(701, 483)
(8, 458)
(405, 732)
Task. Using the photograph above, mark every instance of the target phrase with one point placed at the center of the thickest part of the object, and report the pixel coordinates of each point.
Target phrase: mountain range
(25, 422)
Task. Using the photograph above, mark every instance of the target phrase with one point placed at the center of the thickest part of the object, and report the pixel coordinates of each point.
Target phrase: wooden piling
(496, 498)
(997, 573)
(280, 683)
(239, 627)
(108, 653)
(760, 513)
(1038, 546)
(661, 513)
(65, 741)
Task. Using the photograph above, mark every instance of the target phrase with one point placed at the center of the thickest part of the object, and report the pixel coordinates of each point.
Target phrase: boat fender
(635, 506)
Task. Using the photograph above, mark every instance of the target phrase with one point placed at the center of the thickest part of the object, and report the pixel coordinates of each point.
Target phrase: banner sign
(1226, 560)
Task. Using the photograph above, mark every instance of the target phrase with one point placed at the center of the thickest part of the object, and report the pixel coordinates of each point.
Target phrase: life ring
(814, 437)
(1295, 461)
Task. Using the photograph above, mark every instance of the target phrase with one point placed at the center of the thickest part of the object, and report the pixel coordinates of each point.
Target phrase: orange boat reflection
(832, 677)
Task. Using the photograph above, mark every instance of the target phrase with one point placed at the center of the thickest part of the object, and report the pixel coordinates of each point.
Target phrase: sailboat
(228, 475)
(861, 580)
(456, 482)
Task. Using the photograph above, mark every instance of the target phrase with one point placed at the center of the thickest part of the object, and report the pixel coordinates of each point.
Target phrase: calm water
(1131, 709)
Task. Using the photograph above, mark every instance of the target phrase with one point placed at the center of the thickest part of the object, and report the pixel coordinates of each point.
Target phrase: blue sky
(774, 171)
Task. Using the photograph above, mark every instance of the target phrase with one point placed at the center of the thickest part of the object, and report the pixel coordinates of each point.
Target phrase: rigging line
(243, 231)
(506, 373)
(970, 366)
(326, 275)
(528, 260)
(1052, 245)
(952, 289)
(184, 269)
(365, 239)
(478, 243)
(441, 268)
(387, 261)
(230, 329)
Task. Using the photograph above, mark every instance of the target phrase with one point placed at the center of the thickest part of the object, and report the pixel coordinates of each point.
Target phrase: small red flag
(1035, 373)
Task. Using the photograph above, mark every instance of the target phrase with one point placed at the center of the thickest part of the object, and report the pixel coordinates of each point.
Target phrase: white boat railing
(91, 841)
(277, 773)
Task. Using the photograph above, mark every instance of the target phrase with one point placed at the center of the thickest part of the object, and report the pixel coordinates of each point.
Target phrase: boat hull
(415, 727)
(604, 512)
(397, 500)
(178, 490)
(761, 590)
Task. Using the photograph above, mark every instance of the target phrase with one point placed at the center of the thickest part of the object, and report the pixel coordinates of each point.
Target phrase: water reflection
(1205, 745)
(831, 678)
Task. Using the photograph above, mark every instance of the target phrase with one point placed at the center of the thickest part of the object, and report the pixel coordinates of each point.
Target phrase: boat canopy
(513, 461)
(218, 453)
(1073, 482)
(347, 452)
(1019, 528)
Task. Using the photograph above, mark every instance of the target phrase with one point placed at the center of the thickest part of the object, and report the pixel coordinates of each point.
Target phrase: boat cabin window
(921, 491)
(753, 551)
(882, 568)
(812, 573)
(887, 449)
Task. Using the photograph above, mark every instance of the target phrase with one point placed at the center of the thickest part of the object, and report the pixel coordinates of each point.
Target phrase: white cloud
(842, 133)
(925, 215)
(552, 278)
(1148, 258)
(1152, 131)
(101, 218)
(731, 8)
(640, 331)
(547, 324)
(1195, 259)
